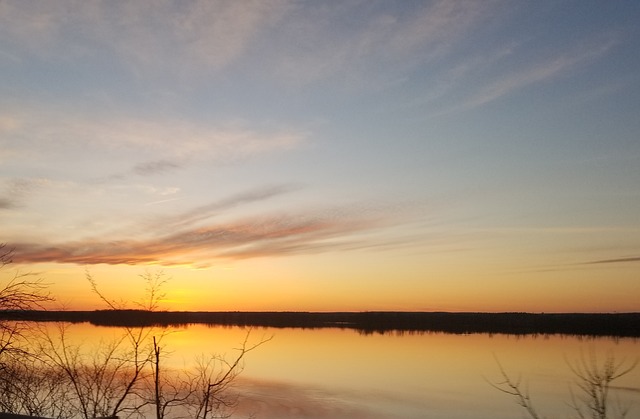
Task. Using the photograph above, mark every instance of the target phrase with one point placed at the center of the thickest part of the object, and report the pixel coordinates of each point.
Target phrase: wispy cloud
(234, 228)
(618, 260)
(375, 41)
(275, 235)
(156, 167)
(512, 67)
(204, 212)
(162, 201)
(6, 203)
(582, 265)
(39, 132)
(199, 39)
(439, 25)
(18, 190)
(196, 37)
(537, 73)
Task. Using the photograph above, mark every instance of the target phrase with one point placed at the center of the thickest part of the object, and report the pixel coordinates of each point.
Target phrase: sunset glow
(324, 156)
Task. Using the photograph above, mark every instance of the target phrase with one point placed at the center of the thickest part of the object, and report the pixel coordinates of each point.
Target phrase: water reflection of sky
(333, 373)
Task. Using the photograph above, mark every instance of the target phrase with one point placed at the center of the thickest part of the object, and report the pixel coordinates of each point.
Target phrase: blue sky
(442, 150)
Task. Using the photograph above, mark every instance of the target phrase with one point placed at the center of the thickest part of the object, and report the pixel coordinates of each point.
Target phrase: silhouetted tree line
(585, 324)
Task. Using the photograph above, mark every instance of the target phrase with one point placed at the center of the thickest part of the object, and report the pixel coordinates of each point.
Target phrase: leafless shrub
(102, 381)
(25, 386)
(203, 392)
(52, 376)
(20, 292)
(594, 380)
(30, 387)
(154, 282)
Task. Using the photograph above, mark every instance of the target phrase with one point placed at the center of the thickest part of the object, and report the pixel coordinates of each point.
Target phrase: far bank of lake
(581, 324)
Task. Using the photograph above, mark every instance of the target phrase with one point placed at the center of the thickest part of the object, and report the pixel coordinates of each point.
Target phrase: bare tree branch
(514, 388)
(113, 305)
(153, 290)
(61, 379)
(594, 382)
(6, 255)
(591, 378)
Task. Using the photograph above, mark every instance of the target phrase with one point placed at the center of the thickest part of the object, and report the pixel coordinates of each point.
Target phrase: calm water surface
(336, 373)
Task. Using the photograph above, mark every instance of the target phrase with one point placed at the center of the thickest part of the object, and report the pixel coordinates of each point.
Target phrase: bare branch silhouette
(594, 382)
(153, 290)
(591, 378)
(53, 376)
(514, 388)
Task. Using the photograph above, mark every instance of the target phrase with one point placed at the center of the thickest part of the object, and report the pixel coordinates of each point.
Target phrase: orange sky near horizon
(249, 287)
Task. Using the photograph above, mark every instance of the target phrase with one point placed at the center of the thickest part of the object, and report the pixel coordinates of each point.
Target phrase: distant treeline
(585, 324)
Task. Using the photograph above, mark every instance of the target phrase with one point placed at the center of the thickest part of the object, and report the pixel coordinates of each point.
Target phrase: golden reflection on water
(341, 373)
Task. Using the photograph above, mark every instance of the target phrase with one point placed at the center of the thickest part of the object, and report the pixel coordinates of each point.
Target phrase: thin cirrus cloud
(209, 37)
(499, 82)
(276, 235)
(436, 29)
(160, 166)
(203, 38)
(194, 237)
(205, 35)
(6, 203)
(18, 190)
(41, 131)
(387, 42)
(204, 212)
(617, 260)
(155, 167)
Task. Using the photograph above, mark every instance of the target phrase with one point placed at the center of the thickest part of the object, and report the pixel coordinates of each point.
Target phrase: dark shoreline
(580, 324)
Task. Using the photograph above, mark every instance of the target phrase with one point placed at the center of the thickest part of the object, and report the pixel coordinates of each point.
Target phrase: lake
(342, 373)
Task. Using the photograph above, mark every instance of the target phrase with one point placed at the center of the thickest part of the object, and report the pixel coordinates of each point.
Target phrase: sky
(323, 155)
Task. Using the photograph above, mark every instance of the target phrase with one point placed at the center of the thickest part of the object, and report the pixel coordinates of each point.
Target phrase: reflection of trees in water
(70, 381)
(42, 373)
